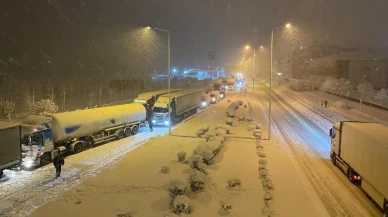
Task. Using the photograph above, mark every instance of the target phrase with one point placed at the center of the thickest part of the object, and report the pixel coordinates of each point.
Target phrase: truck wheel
(134, 130)
(334, 159)
(78, 147)
(127, 132)
(120, 134)
(1, 174)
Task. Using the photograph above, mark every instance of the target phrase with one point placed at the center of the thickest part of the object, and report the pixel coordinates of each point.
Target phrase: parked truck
(44, 137)
(151, 97)
(10, 146)
(360, 150)
(183, 104)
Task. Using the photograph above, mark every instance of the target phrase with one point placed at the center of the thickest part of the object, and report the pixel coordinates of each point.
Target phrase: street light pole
(270, 83)
(270, 92)
(169, 77)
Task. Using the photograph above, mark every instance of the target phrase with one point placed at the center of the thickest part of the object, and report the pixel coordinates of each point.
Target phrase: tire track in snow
(299, 137)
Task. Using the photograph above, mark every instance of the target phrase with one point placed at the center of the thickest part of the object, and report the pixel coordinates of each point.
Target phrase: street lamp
(169, 75)
(288, 25)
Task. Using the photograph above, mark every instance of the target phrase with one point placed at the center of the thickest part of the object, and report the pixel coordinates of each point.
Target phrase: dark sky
(59, 35)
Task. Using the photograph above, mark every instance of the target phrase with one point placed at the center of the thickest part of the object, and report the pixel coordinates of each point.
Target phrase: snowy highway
(21, 192)
(303, 134)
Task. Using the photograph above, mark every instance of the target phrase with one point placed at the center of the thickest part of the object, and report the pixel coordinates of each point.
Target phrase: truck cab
(37, 141)
(214, 97)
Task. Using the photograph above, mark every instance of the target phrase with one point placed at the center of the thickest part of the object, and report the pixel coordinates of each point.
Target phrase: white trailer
(10, 146)
(71, 132)
(152, 97)
(183, 104)
(360, 150)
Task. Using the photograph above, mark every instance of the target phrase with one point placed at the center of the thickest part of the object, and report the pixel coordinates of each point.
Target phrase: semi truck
(360, 150)
(231, 82)
(151, 97)
(44, 137)
(10, 146)
(183, 104)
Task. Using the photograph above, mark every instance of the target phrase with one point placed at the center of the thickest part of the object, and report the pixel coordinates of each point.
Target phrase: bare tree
(46, 106)
(343, 86)
(64, 93)
(100, 91)
(365, 88)
(382, 96)
(111, 91)
(29, 100)
(8, 108)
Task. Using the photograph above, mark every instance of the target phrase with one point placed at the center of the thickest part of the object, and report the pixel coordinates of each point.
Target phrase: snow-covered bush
(176, 187)
(181, 156)
(366, 91)
(8, 107)
(234, 182)
(197, 181)
(228, 100)
(229, 121)
(46, 106)
(241, 118)
(202, 129)
(181, 205)
(223, 126)
(165, 169)
(124, 214)
(201, 167)
(209, 134)
(240, 102)
(382, 96)
(254, 126)
(196, 159)
(245, 106)
(230, 113)
(227, 206)
(262, 162)
(221, 132)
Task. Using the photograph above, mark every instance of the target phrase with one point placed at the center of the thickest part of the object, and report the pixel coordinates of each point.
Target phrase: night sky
(62, 37)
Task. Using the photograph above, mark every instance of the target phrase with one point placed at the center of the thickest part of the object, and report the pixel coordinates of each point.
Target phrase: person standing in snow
(58, 163)
(322, 103)
(150, 117)
(326, 103)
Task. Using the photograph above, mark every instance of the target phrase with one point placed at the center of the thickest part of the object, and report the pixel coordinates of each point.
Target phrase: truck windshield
(160, 110)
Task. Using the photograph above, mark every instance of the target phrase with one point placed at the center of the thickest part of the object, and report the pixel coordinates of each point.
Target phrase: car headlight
(203, 103)
(167, 123)
(221, 95)
(214, 99)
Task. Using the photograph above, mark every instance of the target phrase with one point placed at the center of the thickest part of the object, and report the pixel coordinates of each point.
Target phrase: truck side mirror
(332, 133)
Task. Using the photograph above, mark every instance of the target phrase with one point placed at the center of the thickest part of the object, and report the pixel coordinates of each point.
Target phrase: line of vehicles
(39, 139)
(360, 150)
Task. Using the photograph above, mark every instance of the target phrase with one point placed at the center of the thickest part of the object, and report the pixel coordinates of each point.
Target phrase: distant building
(353, 66)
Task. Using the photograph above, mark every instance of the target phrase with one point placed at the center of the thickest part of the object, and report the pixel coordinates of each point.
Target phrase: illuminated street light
(247, 47)
(174, 70)
(168, 71)
(288, 25)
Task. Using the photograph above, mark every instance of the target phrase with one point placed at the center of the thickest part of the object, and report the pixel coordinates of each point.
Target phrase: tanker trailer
(71, 132)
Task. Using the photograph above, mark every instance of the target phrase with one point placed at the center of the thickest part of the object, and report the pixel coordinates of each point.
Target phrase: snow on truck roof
(377, 132)
(6, 125)
(164, 98)
(145, 96)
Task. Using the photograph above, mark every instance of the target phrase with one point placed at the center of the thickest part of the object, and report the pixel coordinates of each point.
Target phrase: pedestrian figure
(150, 117)
(322, 103)
(58, 163)
(326, 103)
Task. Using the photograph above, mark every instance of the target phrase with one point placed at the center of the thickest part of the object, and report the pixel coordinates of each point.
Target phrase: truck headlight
(213, 99)
(28, 164)
(167, 123)
(203, 103)
(153, 121)
(222, 95)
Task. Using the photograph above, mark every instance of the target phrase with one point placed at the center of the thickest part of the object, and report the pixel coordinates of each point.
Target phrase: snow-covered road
(21, 192)
(303, 135)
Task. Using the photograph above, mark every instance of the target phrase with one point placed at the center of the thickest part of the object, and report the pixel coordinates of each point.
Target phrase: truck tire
(134, 130)
(1, 174)
(127, 132)
(120, 134)
(334, 159)
(78, 147)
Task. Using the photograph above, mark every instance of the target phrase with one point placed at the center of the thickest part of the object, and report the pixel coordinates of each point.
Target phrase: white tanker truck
(44, 137)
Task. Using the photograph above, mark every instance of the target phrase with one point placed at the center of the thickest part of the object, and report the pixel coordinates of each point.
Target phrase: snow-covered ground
(302, 134)
(289, 175)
